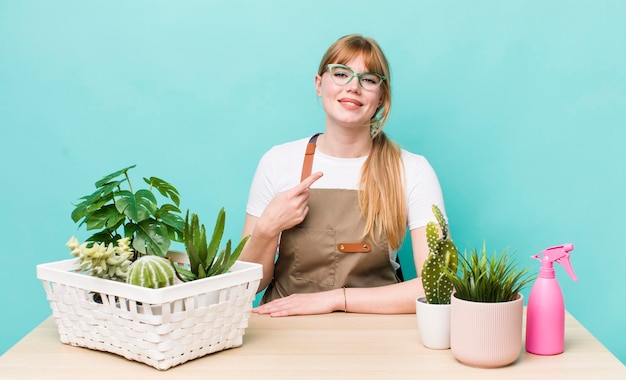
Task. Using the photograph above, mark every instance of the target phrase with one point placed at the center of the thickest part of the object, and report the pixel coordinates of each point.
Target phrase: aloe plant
(204, 259)
(442, 254)
(117, 212)
(484, 279)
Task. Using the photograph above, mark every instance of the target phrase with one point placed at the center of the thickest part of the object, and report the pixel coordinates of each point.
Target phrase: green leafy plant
(489, 279)
(117, 212)
(442, 254)
(204, 260)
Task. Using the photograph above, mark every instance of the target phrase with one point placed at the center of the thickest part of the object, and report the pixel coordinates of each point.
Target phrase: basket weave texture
(159, 327)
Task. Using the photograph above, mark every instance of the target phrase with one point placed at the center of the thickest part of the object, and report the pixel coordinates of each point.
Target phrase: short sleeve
(422, 190)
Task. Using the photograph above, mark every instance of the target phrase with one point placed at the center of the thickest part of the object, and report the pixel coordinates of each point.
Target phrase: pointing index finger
(308, 181)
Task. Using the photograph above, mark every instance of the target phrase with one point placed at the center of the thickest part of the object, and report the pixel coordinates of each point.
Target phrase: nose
(354, 85)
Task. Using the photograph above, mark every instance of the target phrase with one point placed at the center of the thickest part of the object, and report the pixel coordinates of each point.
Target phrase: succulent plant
(151, 272)
(112, 208)
(442, 254)
(204, 260)
(104, 261)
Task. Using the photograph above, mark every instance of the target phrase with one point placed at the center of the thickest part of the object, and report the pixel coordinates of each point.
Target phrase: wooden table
(333, 346)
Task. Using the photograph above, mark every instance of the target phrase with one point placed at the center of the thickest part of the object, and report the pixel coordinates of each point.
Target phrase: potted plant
(433, 309)
(486, 309)
(173, 320)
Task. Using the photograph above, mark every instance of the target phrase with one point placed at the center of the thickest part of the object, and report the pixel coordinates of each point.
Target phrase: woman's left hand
(302, 304)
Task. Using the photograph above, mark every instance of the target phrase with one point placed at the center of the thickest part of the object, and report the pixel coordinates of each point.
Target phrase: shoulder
(289, 149)
(414, 162)
(284, 157)
(419, 174)
(278, 170)
(280, 166)
(422, 189)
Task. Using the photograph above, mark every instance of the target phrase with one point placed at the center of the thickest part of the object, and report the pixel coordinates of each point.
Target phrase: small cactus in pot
(442, 258)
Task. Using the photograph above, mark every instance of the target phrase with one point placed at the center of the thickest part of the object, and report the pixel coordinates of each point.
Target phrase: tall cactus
(443, 253)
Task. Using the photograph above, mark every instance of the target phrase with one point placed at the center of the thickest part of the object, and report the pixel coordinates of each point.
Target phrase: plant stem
(130, 186)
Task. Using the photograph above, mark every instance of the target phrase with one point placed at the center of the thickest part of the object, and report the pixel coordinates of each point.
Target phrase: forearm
(261, 251)
(390, 299)
(260, 248)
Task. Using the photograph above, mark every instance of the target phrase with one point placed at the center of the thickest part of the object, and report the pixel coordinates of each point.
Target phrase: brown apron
(326, 251)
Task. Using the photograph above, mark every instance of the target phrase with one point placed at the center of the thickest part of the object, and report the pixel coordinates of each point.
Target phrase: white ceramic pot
(484, 334)
(434, 324)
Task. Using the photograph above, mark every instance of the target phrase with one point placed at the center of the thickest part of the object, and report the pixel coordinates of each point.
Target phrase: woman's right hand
(288, 208)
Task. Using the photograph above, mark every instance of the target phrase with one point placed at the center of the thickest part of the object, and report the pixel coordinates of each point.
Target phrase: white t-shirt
(280, 169)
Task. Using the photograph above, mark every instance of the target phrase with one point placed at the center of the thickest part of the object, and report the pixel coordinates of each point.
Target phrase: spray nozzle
(559, 254)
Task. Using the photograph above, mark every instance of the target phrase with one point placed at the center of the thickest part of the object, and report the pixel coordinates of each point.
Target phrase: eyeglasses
(342, 75)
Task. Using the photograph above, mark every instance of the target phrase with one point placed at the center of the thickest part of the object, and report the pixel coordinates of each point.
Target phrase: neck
(345, 145)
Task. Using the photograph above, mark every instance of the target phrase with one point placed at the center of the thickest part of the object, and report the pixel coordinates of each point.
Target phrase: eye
(370, 79)
(341, 73)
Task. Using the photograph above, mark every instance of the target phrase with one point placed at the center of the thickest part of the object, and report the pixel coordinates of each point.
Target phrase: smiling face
(349, 105)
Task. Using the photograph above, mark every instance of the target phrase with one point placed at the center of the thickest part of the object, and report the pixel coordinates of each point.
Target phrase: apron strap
(307, 165)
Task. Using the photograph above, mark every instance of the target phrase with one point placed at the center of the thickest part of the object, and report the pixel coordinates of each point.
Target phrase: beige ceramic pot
(486, 335)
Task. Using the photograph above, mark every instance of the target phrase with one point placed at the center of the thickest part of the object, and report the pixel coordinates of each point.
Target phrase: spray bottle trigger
(564, 261)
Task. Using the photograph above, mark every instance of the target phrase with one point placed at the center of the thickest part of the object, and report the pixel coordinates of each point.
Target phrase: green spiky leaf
(489, 279)
(204, 258)
(184, 274)
(216, 238)
(192, 241)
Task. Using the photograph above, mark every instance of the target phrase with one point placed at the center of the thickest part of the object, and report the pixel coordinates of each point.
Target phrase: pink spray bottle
(545, 313)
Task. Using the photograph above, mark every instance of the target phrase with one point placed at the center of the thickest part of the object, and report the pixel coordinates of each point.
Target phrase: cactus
(104, 261)
(151, 272)
(442, 254)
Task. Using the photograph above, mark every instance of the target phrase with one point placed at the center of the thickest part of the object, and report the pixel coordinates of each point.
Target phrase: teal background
(519, 106)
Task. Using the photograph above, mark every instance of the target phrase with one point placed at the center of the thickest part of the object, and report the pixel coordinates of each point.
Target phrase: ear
(318, 85)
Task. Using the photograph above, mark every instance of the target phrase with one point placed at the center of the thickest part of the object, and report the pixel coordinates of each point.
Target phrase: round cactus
(151, 272)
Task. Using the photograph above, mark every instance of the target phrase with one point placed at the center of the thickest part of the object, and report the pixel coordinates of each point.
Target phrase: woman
(339, 203)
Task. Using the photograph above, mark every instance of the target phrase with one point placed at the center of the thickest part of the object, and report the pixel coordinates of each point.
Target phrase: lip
(351, 101)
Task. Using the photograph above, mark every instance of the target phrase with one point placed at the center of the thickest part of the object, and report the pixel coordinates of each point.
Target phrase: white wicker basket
(159, 327)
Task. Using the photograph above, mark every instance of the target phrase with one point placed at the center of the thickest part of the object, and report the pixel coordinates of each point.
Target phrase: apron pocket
(315, 254)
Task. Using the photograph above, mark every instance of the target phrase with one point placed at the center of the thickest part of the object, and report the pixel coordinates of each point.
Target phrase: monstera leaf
(111, 208)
